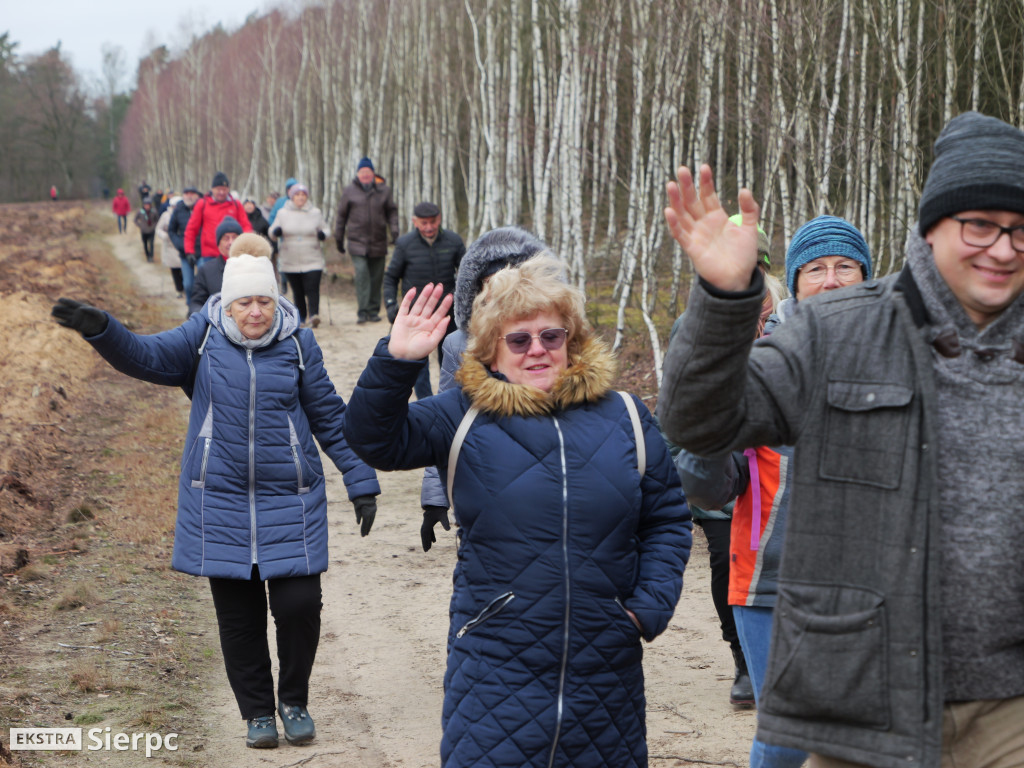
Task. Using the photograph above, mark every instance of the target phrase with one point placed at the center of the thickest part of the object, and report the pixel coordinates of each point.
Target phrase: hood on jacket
(587, 378)
(486, 255)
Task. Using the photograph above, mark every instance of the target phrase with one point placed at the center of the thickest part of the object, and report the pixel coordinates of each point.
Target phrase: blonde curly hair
(520, 292)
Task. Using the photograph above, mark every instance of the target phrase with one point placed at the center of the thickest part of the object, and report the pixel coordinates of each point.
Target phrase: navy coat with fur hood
(252, 488)
(558, 536)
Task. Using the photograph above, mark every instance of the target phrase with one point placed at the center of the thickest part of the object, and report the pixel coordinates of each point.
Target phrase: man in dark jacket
(898, 637)
(176, 227)
(428, 254)
(367, 213)
(207, 216)
(210, 275)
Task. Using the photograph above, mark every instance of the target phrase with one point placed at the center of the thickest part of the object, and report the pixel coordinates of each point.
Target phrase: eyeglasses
(982, 233)
(845, 272)
(550, 338)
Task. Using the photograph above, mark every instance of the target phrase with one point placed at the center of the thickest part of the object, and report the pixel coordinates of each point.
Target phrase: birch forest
(568, 116)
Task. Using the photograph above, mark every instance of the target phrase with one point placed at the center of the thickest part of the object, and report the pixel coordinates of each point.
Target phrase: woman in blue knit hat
(825, 254)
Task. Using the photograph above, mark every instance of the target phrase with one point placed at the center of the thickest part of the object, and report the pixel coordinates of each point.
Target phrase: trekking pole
(327, 295)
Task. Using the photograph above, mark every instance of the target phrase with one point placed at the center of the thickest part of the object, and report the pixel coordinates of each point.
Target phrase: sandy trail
(376, 688)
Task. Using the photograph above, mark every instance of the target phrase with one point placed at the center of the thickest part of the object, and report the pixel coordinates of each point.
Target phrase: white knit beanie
(246, 275)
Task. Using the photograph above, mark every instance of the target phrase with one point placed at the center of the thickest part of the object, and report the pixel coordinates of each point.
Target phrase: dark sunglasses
(550, 338)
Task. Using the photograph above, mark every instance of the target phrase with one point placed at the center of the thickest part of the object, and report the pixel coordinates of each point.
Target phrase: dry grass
(76, 596)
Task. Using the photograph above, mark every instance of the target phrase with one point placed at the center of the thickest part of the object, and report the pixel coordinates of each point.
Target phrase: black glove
(431, 517)
(341, 245)
(320, 236)
(192, 259)
(366, 510)
(276, 232)
(392, 310)
(85, 319)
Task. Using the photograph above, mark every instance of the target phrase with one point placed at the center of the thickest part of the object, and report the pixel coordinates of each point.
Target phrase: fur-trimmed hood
(587, 379)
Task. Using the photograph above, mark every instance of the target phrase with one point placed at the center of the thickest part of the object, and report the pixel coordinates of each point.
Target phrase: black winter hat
(220, 179)
(979, 165)
(227, 224)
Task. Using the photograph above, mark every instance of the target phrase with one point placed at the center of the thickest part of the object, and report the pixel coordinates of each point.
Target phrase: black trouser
(179, 284)
(717, 533)
(305, 292)
(242, 618)
(147, 244)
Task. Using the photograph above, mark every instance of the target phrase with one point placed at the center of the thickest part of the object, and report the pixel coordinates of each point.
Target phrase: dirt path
(376, 688)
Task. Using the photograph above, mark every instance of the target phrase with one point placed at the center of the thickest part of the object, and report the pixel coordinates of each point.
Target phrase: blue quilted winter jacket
(558, 536)
(252, 487)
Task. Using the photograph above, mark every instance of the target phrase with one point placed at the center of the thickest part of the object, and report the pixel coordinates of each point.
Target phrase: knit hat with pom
(252, 244)
(247, 275)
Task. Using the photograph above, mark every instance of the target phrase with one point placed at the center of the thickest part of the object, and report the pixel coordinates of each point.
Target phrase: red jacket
(121, 205)
(206, 217)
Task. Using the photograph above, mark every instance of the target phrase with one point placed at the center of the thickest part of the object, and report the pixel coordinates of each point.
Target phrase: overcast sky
(137, 26)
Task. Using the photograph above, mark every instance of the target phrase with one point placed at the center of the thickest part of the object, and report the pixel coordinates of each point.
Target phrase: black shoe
(362, 319)
(374, 318)
(741, 695)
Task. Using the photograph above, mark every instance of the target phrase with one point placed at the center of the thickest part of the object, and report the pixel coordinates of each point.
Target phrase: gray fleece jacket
(904, 524)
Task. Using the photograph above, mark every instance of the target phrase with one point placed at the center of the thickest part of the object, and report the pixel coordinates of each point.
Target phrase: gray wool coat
(855, 665)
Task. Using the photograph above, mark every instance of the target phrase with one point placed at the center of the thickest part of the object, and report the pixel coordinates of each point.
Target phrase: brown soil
(96, 631)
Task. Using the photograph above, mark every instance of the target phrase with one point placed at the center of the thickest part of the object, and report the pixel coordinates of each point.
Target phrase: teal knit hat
(825, 236)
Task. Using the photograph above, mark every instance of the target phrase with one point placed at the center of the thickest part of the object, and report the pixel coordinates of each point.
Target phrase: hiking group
(848, 450)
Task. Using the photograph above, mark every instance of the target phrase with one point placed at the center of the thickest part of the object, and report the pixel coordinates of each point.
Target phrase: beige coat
(298, 248)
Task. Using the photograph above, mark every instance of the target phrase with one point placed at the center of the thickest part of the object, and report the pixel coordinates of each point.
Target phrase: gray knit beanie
(979, 165)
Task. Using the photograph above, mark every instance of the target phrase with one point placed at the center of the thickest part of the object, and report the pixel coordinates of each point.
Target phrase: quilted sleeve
(664, 533)
(325, 409)
(161, 358)
(386, 430)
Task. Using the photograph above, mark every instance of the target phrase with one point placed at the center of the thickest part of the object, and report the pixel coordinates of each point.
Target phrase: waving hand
(723, 253)
(420, 325)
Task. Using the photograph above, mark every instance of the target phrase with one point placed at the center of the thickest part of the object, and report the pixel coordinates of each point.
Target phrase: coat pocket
(297, 458)
(204, 439)
(624, 621)
(866, 432)
(490, 610)
(829, 657)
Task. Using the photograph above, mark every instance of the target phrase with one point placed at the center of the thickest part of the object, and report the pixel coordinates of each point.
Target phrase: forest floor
(96, 631)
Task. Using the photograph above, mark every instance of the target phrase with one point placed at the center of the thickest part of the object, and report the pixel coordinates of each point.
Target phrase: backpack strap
(638, 433)
(453, 452)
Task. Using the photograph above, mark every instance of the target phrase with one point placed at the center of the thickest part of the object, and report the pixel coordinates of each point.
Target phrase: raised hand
(420, 325)
(723, 253)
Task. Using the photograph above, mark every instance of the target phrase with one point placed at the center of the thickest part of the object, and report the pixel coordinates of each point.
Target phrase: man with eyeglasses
(898, 637)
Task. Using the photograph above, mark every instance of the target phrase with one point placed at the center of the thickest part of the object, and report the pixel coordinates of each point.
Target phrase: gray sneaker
(298, 725)
(262, 732)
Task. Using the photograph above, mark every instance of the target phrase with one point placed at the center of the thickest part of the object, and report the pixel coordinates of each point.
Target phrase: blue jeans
(188, 277)
(754, 627)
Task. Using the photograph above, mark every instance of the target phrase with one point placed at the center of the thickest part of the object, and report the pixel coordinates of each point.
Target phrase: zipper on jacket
(488, 611)
(568, 586)
(252, 455)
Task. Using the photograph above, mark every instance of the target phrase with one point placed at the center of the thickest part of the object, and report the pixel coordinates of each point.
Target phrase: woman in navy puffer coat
(252, 506)
(567, 554)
